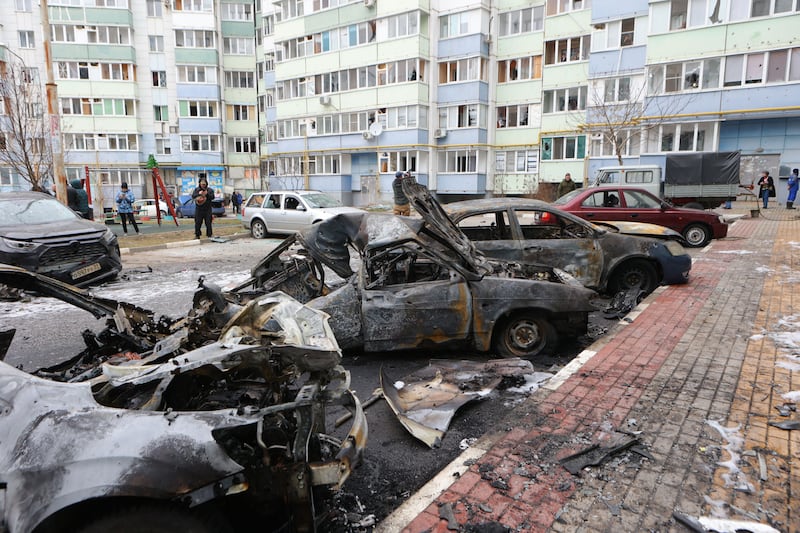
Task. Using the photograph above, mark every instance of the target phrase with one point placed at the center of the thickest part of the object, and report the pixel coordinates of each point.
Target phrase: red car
(637, 205)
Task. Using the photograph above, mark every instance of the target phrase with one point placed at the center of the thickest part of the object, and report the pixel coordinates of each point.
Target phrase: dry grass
(224, 227)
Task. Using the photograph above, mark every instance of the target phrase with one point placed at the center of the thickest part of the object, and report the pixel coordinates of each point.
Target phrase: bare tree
(24, 132)
(621, 114)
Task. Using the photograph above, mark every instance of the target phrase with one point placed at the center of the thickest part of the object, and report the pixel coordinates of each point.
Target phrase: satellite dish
(375, 129)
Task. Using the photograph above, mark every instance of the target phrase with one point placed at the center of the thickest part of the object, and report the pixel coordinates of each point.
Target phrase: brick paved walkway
(697, 373)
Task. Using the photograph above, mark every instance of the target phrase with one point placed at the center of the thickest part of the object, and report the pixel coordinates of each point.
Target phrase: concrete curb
(177, 244)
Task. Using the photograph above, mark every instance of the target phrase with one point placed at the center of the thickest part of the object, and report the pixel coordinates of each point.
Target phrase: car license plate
(85, 271)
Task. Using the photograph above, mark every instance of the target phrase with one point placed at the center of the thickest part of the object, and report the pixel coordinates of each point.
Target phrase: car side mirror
(300, 208)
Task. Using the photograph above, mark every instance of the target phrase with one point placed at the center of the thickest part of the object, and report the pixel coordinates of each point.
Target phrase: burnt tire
(634, 274)
(258, 229)
(697, 235)
(152, 518)
(525, 335)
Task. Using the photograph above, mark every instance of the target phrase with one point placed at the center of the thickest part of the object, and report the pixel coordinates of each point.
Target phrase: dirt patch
(185, 233)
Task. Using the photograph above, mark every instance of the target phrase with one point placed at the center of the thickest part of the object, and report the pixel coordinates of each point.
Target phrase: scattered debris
(466, 443)
(786, 408)
(218, 239)
(596, 454)
(734, 477)
(788, 425)
(377, 394)
(623, 302)
(762, 467)
(446, 513)
(426, 401)
(706, 524)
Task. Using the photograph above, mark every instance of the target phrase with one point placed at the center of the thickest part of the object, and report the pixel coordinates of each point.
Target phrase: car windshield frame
(563, 200)
(320, 200)
(24, 212)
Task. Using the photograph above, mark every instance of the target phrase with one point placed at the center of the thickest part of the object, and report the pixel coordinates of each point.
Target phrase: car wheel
(634, 274)
(694, 205)
(697, 235)
(163, 214)
(151, 518)
(258, 229)
(525, 335)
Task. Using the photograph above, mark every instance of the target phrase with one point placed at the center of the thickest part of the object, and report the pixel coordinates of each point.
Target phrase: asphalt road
(396, 464)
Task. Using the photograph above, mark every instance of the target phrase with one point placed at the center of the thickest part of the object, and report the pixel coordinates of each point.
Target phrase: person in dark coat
(236, 200)
(78, 199)
(566, 185)
(203, 195)
(766, 187)
(402, 206)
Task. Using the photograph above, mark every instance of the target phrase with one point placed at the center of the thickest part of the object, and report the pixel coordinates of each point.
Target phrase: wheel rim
(258, 230)
(695, 236)
(525, 336)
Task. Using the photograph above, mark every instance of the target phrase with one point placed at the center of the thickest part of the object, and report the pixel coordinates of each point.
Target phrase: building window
(238, 46)
(677, 14)
(195, 39)
(617, 90)
(521, 21)
(22, 5)
(570, 99)
(159, 78)
(29, 75)
(516, 162)
(456, 24)
(237, 12)
(193, 5)
(244, 145)
(163, 146)
(458, 161)
(519, 69)
(156, 43)
(196, 74)
(120, 107)
(686, 137)
(64, 33)
(161, 113)
(470, 69)
(626, 36)
(198, 108)
(239, 79)
(26, 39)
(556, 7)
(558, 148)
(463, 116)
(567, 50)
(200, 143)
(241, 112)
(155, 8)
(513, 116)
(687, 76)
(630, 143)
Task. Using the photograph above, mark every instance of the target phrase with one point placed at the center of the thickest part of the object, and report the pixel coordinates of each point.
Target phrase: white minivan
(286, 212)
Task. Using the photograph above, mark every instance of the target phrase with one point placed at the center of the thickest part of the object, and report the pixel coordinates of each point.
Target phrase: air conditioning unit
(439, 133)
(369, 3)
(325, 100)
(367, 135)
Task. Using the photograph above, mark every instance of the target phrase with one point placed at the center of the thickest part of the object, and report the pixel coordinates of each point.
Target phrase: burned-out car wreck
(210, 422)
(420, 283)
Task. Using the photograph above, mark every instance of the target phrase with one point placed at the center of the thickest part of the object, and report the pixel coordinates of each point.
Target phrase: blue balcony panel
(461, 183)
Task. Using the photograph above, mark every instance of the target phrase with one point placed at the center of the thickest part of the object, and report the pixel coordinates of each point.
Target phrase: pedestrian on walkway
(793, 183)
(125, 199)
(203, 195)
(402, 206)
(79, 199)
(236, 200)
(566, 185)
(766, 188)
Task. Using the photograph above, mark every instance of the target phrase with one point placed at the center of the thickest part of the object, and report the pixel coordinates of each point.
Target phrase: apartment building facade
(475, 98)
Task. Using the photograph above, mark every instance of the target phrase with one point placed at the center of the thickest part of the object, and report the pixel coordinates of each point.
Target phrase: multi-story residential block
(475, 97)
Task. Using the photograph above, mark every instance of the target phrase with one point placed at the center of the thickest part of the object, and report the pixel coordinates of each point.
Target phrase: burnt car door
(412, 298)
(551, 239)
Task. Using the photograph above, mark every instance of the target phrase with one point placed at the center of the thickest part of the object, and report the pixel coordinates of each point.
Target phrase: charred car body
(420, 283)
(191, 424)
(607, 257)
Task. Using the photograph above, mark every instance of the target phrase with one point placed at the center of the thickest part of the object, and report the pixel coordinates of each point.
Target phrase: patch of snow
(735, 442)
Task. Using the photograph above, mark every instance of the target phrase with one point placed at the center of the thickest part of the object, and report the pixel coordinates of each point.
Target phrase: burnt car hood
(441, 226)
(328, 241)
(77, 227)
(640, 229)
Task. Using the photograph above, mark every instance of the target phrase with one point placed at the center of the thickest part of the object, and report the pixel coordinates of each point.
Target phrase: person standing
(766, 188)
(566, 185)
(79, 199)
(125, 199)
(236, 200)
(793, 184)
(203, 195)
(402, 206)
